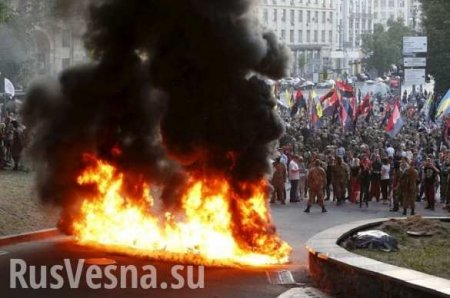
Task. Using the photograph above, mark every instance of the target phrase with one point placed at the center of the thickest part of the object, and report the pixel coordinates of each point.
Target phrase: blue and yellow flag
(444, 106)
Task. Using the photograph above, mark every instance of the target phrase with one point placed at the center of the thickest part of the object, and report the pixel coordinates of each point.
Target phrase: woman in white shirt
(385, 179)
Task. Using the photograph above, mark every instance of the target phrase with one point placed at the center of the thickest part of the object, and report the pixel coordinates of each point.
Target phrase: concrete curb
(26, 237)
(346, 274)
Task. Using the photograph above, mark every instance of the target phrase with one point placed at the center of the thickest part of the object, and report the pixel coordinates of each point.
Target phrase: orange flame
(214, 227)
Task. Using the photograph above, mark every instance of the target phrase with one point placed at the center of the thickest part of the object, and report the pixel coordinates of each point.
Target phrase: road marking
(283, 277)
(2, 252)
(304, 293)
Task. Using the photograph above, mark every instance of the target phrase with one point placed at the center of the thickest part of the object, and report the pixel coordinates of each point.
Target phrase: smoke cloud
(176, 86)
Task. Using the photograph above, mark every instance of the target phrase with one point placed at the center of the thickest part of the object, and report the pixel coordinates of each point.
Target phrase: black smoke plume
(175, 84)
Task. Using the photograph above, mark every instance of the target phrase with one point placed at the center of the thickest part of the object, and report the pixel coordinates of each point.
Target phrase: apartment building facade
(327, 34)
(308, 27)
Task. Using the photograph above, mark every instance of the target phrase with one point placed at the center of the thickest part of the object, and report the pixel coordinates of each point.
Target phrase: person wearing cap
(410, 187)
(317, 182)
(431, 177)
(375, 183)
(278, 181)
(340, 180)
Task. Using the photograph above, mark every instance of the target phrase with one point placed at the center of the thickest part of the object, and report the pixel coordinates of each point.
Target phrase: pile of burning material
(175, 101)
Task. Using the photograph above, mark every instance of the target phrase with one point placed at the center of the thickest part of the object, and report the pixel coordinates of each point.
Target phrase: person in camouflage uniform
(444, 167)
(317, 182)
(278, 181)
(410, 178)
(340, 176)
(403, 181)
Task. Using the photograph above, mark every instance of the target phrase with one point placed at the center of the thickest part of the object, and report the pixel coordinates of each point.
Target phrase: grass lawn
(426, 254)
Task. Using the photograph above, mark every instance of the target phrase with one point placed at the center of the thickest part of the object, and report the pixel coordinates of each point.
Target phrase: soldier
(317, 182)
(340, 180)
(375, 179)
(278, 181)
(431, 177)
(444, 168)
(410, 187)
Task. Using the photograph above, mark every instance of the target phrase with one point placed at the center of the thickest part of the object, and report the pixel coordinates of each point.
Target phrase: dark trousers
(384, 189)
(328, 188)
(294, 189)
(364, 194)
(429, 194)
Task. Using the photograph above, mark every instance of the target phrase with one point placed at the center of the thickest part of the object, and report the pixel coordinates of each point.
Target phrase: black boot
(412, 211)
(324, 210)
(404, 212)
(307, 209)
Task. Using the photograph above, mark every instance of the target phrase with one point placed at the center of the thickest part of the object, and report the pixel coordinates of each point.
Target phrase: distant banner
(9, 87)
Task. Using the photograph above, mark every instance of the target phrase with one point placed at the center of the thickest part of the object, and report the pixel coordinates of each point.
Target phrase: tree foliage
(436, 22)
(383, 47)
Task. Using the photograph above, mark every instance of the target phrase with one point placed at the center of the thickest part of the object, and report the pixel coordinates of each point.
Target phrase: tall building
(391, 9)
(356, 18)
(308, 27)
(327, 34)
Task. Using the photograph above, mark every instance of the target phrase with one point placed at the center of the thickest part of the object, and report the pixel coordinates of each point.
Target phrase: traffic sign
(415, 76)
(415, 44)
(414, 62)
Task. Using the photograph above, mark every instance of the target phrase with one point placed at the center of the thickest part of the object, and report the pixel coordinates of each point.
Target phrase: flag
(364, 107)
(9, 87)
(444, 106)
(427, 106)
(345, 89)
(319, 110)
(395, 123)
(329, 102)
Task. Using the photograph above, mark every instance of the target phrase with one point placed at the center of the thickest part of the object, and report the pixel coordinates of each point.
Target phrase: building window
(66, 39)
(316, 16)
(300, 16)
(330, 36)
(300, 36)
(308, 16)
(391, 3)
(283, 15)
(283, 34)
(315, 36)
(308, 35)
(331, 17)
(275, 15)
(324, 17)
(291, 36)
(266, 16)
(323, 36)
(65, 63)
(292, 17)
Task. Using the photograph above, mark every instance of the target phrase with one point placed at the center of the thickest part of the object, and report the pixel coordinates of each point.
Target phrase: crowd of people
(12, 138)
(365, 163)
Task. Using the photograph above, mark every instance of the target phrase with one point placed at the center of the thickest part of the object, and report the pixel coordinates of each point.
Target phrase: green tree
(4, 12)
(384, 46)
(436, 24)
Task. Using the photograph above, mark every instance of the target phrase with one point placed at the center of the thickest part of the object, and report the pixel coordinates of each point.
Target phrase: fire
(214, 227)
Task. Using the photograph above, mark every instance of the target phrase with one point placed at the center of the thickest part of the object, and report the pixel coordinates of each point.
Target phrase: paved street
(293, 224)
